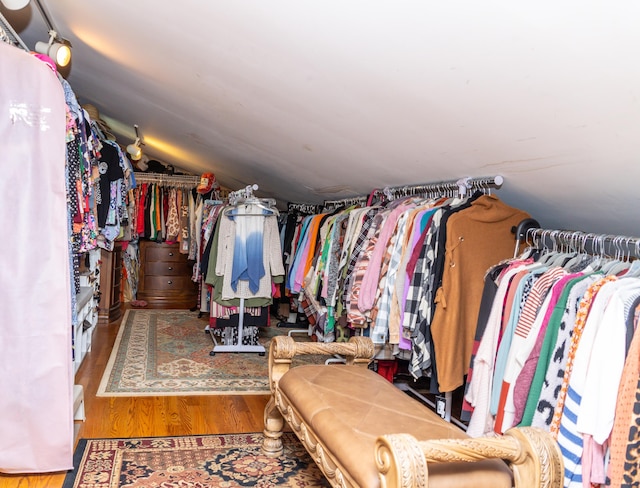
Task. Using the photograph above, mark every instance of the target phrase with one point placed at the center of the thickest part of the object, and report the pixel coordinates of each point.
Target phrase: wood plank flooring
(147, 416)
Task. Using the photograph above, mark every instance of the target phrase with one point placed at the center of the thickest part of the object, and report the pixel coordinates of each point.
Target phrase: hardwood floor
(146, 416)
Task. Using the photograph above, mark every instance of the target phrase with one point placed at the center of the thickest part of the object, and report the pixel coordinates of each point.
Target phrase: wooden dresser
(165, 277)
(110, 284)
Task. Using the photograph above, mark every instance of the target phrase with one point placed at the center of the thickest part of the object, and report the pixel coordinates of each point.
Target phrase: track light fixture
(57, 49)
(134, 150)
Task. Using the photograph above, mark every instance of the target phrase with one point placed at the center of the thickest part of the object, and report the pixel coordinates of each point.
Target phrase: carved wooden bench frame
(401, 459)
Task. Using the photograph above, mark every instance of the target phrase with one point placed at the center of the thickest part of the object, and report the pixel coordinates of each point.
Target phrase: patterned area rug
(226, 461)
(166, 352)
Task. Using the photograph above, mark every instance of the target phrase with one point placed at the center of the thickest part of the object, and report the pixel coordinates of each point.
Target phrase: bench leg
(273, 425)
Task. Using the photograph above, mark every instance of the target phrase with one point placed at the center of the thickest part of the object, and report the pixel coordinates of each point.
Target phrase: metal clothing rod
(331, 204)
(9, 35)
(461, 186)
(616, 246)
(309, 208)
(183, 181)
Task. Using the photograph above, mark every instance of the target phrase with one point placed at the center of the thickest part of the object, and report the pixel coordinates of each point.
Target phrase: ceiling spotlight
(57, 49)
(134, 150)
(15, 4)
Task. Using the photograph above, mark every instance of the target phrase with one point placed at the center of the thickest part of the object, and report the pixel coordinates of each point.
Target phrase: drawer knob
(170, 254)
(170, 282)
(170, 268)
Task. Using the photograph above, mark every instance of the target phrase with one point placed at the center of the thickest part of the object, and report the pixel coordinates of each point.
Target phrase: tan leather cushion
(348, 407)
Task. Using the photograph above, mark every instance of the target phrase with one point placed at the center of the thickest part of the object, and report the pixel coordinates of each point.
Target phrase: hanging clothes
(556, 353)
(227, 316)
(173, 220)
(378, 269)
(249, 256)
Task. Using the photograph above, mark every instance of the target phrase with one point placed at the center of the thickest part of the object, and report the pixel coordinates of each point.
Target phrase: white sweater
(271, 252)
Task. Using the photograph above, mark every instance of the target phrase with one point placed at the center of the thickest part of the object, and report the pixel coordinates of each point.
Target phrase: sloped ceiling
(324, 100)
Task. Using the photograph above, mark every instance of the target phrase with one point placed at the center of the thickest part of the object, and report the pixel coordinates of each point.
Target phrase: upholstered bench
(362, 431)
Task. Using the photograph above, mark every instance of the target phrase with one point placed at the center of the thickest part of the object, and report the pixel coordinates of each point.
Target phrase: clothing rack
(462, 186)
(244, 195)
(606, 245)
(179, 181)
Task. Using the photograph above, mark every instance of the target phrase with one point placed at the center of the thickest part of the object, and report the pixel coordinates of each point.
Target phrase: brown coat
(477, 238)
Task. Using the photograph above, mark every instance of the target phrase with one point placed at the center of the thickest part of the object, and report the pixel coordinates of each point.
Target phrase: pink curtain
(36, 371)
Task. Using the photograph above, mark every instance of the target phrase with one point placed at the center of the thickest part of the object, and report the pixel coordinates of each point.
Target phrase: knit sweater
(477, 238)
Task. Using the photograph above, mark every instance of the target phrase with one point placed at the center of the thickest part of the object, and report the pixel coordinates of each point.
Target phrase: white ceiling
(323, 100)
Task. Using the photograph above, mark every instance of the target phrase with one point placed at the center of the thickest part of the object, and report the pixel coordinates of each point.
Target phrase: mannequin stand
(238, 347)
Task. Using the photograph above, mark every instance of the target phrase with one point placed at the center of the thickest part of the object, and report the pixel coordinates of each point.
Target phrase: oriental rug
(166, 353)
(232, 460)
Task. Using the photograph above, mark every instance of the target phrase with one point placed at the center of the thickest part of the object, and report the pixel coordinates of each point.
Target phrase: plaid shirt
(367, 220)
(387, 285)
(354, 315)
(419, 291)
(420, 277)
(352, 232)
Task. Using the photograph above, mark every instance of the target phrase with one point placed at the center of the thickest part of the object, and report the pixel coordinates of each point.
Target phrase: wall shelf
(86, 317)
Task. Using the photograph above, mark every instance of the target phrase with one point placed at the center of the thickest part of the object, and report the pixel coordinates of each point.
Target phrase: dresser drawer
(171, 268)
(162, 253)
(165, 276)
(168, 283)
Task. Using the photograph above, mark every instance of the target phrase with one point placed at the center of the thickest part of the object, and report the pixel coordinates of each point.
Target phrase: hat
(207, 183)
(94, 115)
(143, 163)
